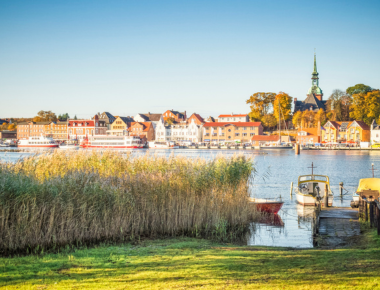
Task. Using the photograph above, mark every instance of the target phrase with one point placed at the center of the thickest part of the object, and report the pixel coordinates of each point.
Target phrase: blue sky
(208, 57)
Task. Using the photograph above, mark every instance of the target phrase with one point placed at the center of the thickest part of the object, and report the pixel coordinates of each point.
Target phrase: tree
(37, 119)
(337, 106)
(308, 119)
(63, 117)
(359, 88)
(269, 120)
(260, 104)
(321, 117)
(297, 118)
(285, 104)
(45, 116)
(75, 117)
(170, 121)
(365, 106)
(4, 126)
(11, 127)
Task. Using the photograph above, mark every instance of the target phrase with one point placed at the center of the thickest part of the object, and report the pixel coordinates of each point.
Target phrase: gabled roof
(151, 117)
(127, 120)
(237, 124)
(361, 124)
(3, 121)
(146, 126)
(106, 116)
(310, 101)
(197, 116)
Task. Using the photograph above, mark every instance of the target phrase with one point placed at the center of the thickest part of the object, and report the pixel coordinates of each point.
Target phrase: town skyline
(131, 58)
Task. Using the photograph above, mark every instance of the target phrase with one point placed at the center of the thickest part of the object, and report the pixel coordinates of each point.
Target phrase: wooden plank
(341, 213)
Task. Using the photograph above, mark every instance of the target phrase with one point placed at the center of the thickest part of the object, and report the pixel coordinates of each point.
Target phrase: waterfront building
(144, 130)
(314, 100)
(31, 129)
(233, 118)
(375, 133)
(177, 116)
(120, 126)
(80, 129)
(57, 131)
(345, 132)
(231, 132)
(308, 136)
(150, 117)
(197, 119)
(183, 131)
(107, 117)
(210, 120)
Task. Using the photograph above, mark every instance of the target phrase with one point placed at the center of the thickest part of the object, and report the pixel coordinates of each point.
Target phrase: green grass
(195, 263)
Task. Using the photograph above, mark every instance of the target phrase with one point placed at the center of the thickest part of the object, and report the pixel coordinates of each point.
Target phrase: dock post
(291, 188)
(365, 211)
(326, 199)
(371, 212)
(297, 149)
(341, 188)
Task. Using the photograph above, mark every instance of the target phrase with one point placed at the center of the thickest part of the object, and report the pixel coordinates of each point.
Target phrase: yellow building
(345, 132)
(57, 130)
(120, 126)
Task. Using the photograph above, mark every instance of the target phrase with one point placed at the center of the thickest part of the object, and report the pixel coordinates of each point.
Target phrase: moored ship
(163, 145)
(38, 142)
(112, 142)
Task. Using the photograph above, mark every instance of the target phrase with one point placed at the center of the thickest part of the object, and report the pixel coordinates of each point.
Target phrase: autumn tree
(321, 117)
(297, 118)
(366, 106)
(45, 116)
(359, 88)
(269, 121)
(285, 104)
(308, 119)
(261, 104)
(169, 121)
(11, 127)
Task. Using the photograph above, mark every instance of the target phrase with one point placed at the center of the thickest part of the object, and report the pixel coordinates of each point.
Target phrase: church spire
(315, 63)
(315, 78)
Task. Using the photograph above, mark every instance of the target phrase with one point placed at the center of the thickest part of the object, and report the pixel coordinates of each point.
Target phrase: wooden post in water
(326, 199)
(291, 189)
(341, 188)
(297, 149)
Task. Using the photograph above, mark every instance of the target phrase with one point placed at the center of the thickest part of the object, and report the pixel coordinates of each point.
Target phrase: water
(275, 172)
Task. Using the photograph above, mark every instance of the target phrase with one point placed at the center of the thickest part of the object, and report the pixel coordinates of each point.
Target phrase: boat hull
(113, 147)
(270, 207)
(308, 200)
(38, 146)
(276, 147)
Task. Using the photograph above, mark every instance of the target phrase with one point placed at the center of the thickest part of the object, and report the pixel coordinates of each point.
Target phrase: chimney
(295, 100)
(148, 113)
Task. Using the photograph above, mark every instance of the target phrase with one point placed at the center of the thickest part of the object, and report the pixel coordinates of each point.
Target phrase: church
(314, 100)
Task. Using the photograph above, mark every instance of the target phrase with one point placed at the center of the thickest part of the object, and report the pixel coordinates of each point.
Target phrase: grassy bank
(194, 263)
(53, 200)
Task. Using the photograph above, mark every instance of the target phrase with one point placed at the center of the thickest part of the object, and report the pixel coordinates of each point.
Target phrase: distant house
(197, 119)
(107, 117)
(80, 129)
(177, 116)
(308, 135)
(144, 130)
(149, 117)
(210, 119)
(259, 140)
(120, 126)
(375, 132)
(233, 118)
(32, 129)
(184, 131)
(343, 132)
(3, 122)
(231, 132)
(8, 134)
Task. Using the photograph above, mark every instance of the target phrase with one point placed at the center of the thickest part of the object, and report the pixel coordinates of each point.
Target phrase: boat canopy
(308, 178)
(369, 183)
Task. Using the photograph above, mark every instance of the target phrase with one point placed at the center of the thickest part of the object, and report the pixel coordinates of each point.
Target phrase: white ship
(163, 145)
(112, 142)
(38, 142)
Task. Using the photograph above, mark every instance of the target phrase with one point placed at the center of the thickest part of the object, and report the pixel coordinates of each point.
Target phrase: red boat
(269, 206)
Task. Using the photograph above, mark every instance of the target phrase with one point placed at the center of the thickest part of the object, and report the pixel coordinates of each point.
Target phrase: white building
(233, 118)
(375, 133)
(179, 132)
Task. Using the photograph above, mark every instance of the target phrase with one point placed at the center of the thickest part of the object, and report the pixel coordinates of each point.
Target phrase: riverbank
(196, 263)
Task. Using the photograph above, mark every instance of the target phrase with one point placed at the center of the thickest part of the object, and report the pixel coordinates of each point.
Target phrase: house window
(244, 134)
(229, 137)
(229, 130)
(244, 128)
(236, 134)
(252, 134)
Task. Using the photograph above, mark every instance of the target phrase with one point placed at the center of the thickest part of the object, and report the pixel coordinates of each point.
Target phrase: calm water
(275, 172)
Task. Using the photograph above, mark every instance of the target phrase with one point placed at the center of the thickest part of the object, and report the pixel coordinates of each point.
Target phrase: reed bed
(59, 199)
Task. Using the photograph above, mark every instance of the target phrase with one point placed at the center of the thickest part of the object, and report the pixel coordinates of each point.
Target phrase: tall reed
(56, 199)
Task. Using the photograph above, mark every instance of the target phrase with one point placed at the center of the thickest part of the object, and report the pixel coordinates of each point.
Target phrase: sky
(208, 57)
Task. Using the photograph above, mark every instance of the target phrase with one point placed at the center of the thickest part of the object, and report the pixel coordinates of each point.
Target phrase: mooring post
(341, 188)
(326, 199)
(291, 188)
(371, 219)
(365, 211)
(297, 149)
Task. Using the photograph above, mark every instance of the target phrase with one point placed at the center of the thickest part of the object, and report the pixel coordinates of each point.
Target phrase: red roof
(238, 115)
(237, 124)
(361, 124)
(146, 126)
(90, 123)
(265, 138)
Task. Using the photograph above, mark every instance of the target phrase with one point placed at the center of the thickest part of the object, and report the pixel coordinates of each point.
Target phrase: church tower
(315, 89)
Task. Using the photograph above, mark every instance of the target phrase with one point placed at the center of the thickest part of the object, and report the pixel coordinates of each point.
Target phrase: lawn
(195, 263)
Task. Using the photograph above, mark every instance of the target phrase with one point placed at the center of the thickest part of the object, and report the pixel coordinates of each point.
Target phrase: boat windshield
(313, 177)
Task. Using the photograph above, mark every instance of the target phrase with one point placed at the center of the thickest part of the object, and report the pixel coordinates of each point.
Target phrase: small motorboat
(266, 205)
(311, 189)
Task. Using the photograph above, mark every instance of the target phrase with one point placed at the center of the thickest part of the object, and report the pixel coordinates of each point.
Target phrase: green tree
(260, 104)
(285, 105)
(75, 117)
(359, 88)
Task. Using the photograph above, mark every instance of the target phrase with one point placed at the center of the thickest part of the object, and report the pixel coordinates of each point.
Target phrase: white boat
(112, 142)
(163, 145)
(311, 189)
(68, 147)
(38, 142)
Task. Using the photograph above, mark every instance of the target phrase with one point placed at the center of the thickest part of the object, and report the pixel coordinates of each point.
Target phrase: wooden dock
(337, 226)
